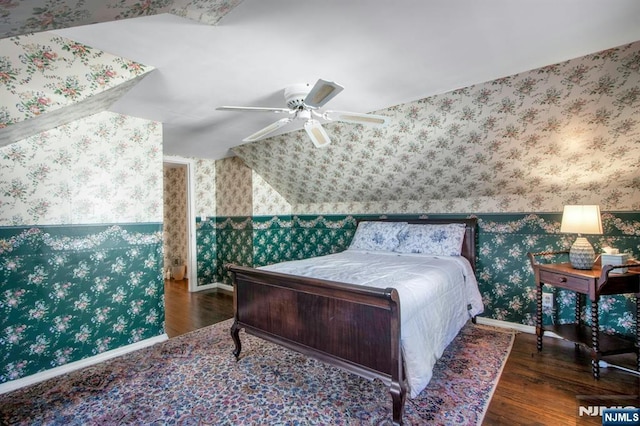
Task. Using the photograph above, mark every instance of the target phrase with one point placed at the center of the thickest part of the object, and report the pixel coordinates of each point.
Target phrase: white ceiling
(383, 52)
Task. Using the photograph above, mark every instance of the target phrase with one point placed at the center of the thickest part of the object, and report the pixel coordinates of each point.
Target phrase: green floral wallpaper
(80, 242)
(234, 244)
(272, 240)
(71, 292)
(207, 260)
(504, 274)
(506, 279)
(318, 235)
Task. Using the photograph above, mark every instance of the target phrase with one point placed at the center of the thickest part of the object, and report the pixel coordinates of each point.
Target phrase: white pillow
(438, 240)
(379, 236)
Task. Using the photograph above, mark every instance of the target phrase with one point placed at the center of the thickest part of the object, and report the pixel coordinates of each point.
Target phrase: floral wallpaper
(21, 17)
(205, 172)
(530, 142)
(80, 242)
(267, 201)
(175, 232)
(208, 268)
(249, 228)
(42, 73)
(236, 187)
(68, 293)
(506, 279)
(272, 240)
(206, 247)
(103, 169)
(236, 198)
(234, 244)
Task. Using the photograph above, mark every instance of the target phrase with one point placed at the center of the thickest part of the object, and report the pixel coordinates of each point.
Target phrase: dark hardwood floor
(534, 389)
(542, 388)
(185, 311)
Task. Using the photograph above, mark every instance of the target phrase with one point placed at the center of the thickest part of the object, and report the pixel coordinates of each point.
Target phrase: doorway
(179, 241)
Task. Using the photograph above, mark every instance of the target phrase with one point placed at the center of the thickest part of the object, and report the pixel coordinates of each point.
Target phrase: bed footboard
(356, 328)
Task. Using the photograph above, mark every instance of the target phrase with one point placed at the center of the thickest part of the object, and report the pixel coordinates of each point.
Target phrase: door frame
(192, 261)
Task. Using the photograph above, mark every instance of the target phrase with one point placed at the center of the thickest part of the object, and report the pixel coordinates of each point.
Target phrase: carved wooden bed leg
(235, 335)
(398, 394)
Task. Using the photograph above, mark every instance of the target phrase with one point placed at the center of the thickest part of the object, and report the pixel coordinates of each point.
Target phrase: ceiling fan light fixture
(267, 130)
(317, 134)
(254, 109)
(355, 117)
(321, 93)
(364, 120)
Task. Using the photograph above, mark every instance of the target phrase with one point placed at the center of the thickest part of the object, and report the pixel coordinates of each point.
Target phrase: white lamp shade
(581, 220)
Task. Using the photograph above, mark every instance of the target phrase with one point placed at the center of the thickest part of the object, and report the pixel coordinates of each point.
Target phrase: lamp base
(582, 254)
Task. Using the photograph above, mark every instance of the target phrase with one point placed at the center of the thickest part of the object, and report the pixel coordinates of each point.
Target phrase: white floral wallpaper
(205, 172)
(234, 188)
(20, 17)
(43, 73)
(531, 142)
(266, 200)
(174, 228)
(105, 168)
(240, 191)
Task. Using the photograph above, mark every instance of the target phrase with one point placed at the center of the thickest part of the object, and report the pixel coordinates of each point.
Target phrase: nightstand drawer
(565, 281)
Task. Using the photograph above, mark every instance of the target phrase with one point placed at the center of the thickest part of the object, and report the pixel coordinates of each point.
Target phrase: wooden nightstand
(592, 283)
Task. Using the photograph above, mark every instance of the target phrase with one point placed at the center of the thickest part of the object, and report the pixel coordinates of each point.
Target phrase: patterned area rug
(194, 379)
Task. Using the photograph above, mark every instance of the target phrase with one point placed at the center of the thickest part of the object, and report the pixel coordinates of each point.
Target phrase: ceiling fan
(304, 103)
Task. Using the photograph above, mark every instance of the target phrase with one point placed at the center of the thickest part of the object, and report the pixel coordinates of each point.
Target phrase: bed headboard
(469, 243)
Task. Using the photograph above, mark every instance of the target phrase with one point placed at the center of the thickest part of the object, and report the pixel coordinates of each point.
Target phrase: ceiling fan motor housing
(295, 95)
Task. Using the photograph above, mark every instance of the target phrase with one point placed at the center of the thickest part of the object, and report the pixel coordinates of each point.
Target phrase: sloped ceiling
(47, 81)
(563, 134)
(383, 52)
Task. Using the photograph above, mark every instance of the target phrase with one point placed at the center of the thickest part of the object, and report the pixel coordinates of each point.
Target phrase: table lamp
(581, 220)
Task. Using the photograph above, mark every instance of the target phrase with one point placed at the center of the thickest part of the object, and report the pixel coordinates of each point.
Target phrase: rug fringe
(497, 329)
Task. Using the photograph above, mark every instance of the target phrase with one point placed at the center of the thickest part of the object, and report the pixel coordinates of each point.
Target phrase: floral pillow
(380, 236)
(438, 240)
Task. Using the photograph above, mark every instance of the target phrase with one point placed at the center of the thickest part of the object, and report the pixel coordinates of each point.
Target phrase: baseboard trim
(225, 287)
(205, 287)
(212, 286)
(76, 365)
(513, 325)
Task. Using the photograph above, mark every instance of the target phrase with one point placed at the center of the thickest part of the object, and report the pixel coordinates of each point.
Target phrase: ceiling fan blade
(356, 117)
(253, 109)
(321, 93)
(317, 134)
(260, 134)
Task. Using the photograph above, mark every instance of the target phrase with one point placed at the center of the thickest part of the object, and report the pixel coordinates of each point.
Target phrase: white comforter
(438, 295)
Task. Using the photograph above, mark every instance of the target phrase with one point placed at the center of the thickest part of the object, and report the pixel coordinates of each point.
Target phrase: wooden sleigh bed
(354, 327)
